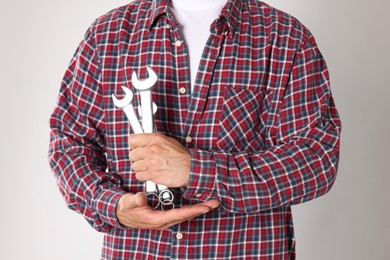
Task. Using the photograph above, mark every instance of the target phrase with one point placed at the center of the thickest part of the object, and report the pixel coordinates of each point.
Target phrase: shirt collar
(231, 12)
(158, 8)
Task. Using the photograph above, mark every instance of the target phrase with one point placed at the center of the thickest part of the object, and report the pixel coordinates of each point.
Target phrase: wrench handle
(147, 111)
(129, 111)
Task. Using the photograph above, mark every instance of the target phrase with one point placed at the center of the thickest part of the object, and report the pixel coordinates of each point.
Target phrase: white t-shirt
(195, 18)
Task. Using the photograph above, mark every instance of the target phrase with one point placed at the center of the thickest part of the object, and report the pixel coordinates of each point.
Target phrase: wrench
(145, 89)
(126, 105)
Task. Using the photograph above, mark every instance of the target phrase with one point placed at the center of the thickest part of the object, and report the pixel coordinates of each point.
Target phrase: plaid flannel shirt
(261, 127)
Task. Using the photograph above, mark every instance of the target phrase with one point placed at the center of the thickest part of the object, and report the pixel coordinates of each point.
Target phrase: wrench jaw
(146, 84)
(122, 103)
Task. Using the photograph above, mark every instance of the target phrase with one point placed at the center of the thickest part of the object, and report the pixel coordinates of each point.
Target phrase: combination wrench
(145, 89)
(159, 195)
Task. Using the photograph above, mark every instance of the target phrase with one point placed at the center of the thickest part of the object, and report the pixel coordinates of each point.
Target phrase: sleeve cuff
(202, 177)
(106, 206)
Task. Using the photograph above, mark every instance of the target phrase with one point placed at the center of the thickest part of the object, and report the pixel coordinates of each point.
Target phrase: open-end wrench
(127, 106)
(145, 89)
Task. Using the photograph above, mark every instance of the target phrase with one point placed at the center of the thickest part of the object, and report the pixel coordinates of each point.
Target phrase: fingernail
(214, 206)
(206, 211)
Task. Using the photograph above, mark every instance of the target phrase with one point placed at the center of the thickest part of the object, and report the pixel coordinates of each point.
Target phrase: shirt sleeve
(299, 163)
(77, 146)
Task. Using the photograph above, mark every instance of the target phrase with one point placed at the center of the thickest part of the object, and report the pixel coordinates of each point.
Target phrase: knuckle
(158, 135)
(140, 176)
(154, 149)
(154, 162)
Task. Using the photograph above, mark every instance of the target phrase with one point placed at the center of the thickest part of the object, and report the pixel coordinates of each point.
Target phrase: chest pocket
(242, 122)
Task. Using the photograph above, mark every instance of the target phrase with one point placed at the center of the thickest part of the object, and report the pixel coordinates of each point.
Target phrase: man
(246, 126)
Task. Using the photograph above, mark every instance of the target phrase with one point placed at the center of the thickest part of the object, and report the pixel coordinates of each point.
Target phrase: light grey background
(38, 39)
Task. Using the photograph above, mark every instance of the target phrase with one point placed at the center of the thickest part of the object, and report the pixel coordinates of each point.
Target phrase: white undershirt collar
(195, 18)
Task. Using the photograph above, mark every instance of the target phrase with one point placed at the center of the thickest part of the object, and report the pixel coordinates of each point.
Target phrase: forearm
(82, 180)
(282, 175)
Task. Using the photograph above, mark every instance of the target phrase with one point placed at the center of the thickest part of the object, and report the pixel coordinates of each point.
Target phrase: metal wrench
(126, 105)
(145, 89)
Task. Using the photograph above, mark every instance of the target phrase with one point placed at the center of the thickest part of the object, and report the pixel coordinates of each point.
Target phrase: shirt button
(179, 236)
(198, 195)
(188, 139)
(178, 43)
(182, 90)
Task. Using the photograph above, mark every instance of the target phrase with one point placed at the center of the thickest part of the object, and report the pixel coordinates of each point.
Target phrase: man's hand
(133, 212)
(161, 159)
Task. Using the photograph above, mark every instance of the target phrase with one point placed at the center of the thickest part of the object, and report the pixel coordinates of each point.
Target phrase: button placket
(199, 95)
(180, 57)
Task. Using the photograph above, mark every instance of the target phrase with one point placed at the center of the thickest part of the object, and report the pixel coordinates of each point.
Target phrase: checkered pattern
(263, 125)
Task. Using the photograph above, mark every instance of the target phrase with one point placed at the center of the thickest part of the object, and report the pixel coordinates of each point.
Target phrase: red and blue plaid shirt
(261, 126)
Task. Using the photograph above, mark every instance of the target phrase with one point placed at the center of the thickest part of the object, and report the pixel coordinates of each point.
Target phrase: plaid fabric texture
(261, 126)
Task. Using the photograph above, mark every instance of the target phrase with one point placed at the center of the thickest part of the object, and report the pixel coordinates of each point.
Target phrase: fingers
(167, 219)
(160, 159)
(134, 212)
(212, 204)
(139, 165)
(136, 154)
(143, 145)
(177, 216)
(136, 141)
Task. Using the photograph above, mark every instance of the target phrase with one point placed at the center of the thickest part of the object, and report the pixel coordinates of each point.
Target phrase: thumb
(140, 199)
(131, 200)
